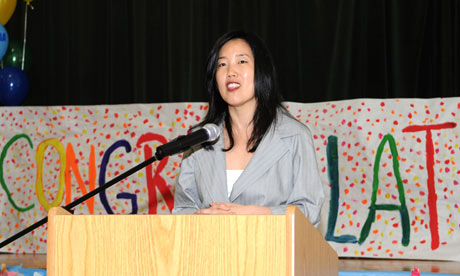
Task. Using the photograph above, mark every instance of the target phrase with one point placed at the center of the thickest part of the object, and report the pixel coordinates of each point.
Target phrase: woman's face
(235, 74)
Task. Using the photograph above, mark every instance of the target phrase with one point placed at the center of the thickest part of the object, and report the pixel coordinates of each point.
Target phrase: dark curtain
(87, 52)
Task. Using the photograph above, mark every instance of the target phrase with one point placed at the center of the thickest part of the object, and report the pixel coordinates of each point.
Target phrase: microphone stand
(71, 205)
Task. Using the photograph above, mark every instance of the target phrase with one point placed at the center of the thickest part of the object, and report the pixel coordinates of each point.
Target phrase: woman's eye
(243, 61)
(221, 64)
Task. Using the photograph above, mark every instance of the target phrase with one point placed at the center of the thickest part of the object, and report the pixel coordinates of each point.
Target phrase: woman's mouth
(232, 86)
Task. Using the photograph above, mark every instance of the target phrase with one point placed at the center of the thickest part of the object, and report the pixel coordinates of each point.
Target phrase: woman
(264, 159)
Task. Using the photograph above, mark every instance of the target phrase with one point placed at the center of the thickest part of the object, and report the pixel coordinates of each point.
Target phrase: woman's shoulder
(288, 125)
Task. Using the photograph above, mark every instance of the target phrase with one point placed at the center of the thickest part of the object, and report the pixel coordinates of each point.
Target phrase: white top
(232, 177)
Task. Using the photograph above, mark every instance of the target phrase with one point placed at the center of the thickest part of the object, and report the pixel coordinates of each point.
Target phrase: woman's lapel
(269, 151)
(212, 163)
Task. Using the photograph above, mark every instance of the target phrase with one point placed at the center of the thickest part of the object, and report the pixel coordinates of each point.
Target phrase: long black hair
(265, 90)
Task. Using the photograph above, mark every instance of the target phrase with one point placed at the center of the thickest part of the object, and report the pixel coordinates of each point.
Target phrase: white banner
(388, 168)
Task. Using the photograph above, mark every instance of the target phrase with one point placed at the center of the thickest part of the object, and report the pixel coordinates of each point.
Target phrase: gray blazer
(282, 172)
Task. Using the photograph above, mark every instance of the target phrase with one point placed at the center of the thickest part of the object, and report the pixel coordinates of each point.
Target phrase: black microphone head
(208, 133)
(213, 132)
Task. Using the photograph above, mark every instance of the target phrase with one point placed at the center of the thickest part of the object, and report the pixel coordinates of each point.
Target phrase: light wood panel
(309, 252)
(51, 243)
(346, 264)
(168, 245)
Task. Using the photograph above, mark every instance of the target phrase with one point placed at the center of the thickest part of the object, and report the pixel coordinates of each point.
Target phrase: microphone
(208, 133)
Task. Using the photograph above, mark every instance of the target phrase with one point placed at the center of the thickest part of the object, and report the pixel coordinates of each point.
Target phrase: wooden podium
(186, 245)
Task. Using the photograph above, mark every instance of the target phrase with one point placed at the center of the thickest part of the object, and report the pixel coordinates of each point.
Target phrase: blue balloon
(14, 86)
(3, 41)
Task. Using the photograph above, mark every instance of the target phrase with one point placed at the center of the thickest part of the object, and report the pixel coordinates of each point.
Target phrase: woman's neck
(241, 118)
